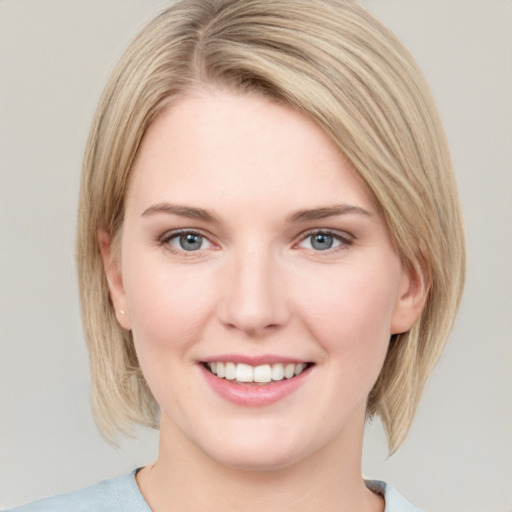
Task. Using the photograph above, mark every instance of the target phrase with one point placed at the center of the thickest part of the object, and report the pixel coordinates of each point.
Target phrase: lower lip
(254, 395)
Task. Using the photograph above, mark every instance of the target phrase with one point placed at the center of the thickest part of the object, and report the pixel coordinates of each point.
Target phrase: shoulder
(119, 494)
(394, 501)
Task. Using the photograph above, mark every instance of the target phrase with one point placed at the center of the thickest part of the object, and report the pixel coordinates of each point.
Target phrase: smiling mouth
(262, 374)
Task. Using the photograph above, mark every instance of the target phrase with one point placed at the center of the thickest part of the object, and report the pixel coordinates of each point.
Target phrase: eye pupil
(190, 241)
(321, 241)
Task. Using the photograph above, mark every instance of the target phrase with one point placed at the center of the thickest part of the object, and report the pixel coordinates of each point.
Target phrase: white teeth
(299, 369)
(230, 371)
(263, 373)
(260, 374)
(289, 371)
(244, 373)
(277, 371)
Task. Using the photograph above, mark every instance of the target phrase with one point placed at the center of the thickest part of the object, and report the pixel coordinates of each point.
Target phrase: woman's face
(250, 249)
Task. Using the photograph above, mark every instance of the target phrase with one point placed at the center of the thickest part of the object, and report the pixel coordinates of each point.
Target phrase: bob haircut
(335, 63)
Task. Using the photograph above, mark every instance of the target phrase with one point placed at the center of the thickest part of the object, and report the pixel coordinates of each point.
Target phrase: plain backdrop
(55, 56)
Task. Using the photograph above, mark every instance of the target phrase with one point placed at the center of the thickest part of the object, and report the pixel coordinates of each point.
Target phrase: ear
(114, 278)
(412, 294)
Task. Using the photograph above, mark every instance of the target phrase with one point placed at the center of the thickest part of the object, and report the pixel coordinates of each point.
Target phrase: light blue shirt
(122, 494)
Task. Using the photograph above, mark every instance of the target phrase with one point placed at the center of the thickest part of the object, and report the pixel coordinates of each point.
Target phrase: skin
(256, 286)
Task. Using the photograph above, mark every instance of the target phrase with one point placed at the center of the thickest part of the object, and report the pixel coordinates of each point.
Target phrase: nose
(255, 300)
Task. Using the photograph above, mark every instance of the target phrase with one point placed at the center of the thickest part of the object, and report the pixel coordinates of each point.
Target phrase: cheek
(168, 308)
(349, 312)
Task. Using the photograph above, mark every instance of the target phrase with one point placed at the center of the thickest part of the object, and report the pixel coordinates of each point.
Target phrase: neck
(185, 478)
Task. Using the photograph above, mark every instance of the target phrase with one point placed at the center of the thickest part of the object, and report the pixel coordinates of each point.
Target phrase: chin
(258, 462)
(254, 453)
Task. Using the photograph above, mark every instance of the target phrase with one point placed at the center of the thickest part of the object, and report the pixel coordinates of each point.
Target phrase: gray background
(55, 56)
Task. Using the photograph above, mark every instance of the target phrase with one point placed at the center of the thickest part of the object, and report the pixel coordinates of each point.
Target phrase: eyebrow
(183, 211)
(326, 211)
(190, 212)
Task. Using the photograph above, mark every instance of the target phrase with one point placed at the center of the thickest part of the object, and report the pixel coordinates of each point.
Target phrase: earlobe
(114, 278)
(411, 299)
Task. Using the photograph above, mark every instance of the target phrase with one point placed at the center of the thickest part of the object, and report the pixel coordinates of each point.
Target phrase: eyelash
(345, 240)
(165, 241)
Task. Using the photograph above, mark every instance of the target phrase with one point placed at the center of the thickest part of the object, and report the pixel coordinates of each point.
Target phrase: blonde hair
(337, 64)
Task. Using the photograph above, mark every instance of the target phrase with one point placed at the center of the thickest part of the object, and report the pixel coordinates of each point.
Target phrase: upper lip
(253, 360)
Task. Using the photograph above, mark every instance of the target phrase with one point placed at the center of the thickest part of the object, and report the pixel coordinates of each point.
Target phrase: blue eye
(188, 241)
(324, 241)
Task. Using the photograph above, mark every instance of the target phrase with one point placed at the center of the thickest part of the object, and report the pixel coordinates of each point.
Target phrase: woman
(270, 250)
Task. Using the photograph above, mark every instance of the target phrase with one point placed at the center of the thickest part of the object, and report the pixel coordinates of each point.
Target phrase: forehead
(215, 147)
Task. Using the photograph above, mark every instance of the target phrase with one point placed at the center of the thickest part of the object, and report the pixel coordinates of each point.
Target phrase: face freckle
(248, 239)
